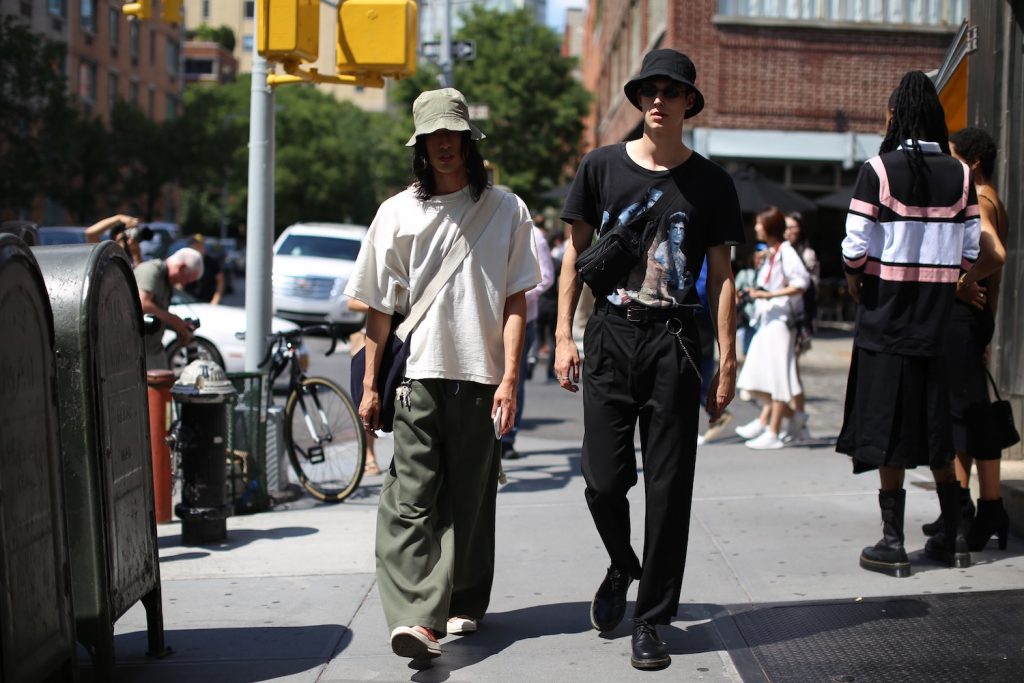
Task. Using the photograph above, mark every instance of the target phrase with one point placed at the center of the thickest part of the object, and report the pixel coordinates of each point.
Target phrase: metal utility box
(37, 628)
(108, 483)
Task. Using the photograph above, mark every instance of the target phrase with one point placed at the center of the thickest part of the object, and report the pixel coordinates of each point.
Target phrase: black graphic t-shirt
(695, 207)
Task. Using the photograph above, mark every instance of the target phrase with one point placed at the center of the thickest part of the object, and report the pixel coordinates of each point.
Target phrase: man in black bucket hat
(659, 209)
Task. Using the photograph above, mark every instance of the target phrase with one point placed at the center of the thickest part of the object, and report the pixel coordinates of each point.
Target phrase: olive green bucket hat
(443, 109)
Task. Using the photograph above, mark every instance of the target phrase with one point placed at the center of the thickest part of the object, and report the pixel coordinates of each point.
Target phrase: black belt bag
(605, 264)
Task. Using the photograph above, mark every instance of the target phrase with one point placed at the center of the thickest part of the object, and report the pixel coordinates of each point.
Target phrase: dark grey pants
(435, 521)
(639, 372)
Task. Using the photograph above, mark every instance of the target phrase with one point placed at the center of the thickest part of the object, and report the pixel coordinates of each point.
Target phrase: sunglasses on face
(669, 92)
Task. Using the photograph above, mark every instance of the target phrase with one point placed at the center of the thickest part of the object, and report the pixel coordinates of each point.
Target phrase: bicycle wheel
(179, 356)
(326, 442)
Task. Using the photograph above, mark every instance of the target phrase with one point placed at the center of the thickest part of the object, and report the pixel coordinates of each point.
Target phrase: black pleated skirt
(897, 412)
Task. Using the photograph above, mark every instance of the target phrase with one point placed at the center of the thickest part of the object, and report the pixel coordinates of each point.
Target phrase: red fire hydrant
(160, 383)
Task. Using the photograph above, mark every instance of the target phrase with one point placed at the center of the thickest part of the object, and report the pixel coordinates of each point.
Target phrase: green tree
(221, 34)
(33, 106)
(145, 154)
(536, 105)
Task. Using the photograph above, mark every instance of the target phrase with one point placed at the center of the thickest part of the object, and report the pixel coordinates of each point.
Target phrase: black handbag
(1004, 431)
(604, 264)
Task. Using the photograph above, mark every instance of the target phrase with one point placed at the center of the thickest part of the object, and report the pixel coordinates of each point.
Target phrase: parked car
(61, 234)
(312, 265)
(217, 337)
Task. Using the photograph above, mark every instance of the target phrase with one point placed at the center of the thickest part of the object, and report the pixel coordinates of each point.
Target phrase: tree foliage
(223, 35)
(33, 107)
(536, 105)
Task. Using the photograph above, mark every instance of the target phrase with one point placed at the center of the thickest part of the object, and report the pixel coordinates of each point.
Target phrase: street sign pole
(259, 214)
(448, 81)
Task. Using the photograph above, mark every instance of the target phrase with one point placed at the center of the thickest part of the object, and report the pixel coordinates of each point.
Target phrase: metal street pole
(259, 215)
(448, 81)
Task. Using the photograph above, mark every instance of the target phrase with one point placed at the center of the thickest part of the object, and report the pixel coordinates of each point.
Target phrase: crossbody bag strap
(471, 230)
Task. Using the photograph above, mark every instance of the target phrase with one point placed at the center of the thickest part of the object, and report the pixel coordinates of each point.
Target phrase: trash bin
(251, 477)
(37, 628)
(204, 396)
(108, 477)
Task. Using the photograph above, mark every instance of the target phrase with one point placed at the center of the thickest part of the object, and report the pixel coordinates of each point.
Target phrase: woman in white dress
(769, 371)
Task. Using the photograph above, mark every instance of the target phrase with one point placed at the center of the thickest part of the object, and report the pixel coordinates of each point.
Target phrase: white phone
(497, 423)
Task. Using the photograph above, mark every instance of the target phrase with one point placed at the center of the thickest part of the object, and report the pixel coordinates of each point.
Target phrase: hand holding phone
(497, 423)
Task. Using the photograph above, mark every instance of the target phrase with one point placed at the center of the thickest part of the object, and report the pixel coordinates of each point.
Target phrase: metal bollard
(159, 393)
(200, 441)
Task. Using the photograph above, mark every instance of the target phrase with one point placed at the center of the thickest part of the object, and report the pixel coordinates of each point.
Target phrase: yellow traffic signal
(170, 11)
(377, 36)
(288, 30)
(141, 10)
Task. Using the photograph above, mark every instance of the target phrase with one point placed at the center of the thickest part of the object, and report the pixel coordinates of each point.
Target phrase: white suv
(312, 265)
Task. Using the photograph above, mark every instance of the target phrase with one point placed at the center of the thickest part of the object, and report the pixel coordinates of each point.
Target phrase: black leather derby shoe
(649, 651)
(609, 605)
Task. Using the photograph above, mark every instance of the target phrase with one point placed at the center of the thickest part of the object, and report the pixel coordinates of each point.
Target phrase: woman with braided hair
(911, 231)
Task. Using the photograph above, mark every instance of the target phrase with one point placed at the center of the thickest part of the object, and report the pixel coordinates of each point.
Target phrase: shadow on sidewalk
(230, 655)
(236, 539)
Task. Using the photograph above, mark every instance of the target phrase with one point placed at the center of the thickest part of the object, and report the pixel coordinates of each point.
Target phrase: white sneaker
(406, 641)
(715, 430)
(752, 429)
(766, 441)
(458, 626)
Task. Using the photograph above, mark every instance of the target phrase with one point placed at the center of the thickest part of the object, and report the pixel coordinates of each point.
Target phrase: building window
(206, 9)
(112, 94)
(133, 93)
(250, 9)
(172, 108)
(173, 57)
(87, 82)
(152, 47)
(656, 15)
(198, 66)
(152, 102)
(87, 16)
(247, 42)
(133, 41)
(55, 7)
(115, 29)
(916, 12)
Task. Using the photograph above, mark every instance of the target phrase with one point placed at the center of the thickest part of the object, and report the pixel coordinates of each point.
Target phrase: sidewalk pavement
(292, 596)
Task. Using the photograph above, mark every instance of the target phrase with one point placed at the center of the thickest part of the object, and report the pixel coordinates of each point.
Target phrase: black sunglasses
(669, 92)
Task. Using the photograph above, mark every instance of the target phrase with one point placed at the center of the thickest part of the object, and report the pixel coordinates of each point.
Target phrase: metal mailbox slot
(37, 628)
(105, 435)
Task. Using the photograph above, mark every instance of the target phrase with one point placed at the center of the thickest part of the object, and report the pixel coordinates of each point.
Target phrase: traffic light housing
(377, 36)
(141, 10)
(288, 30)
(170, 11)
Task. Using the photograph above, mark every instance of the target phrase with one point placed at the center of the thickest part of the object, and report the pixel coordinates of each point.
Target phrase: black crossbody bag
(604, 264)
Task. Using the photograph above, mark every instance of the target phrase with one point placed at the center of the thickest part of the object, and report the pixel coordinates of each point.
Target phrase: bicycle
(325, 439)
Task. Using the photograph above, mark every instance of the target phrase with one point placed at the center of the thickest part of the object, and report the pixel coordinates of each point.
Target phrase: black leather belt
(643, 315)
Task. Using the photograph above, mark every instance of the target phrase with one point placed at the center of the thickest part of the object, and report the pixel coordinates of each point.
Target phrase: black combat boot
(951, 545)
(888, 556)
(932, 528)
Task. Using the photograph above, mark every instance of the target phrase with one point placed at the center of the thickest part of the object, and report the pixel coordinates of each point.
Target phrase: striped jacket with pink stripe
(911, 253)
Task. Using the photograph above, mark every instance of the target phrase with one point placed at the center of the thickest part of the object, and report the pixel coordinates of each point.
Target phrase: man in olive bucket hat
(643, 352)
(435, 520)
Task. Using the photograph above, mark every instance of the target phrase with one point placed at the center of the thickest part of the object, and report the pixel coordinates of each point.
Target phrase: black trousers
(639, 372)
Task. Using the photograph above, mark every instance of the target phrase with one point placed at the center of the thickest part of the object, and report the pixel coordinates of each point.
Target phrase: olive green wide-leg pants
(435, 521)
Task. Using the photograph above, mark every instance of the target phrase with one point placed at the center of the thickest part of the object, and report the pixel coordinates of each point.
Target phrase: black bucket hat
(666, 63)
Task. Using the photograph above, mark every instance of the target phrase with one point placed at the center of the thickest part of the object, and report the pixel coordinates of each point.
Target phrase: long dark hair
(475, 171)
(917, 114)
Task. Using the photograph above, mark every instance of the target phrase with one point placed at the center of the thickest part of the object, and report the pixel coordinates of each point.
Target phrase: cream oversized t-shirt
(460, 337)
